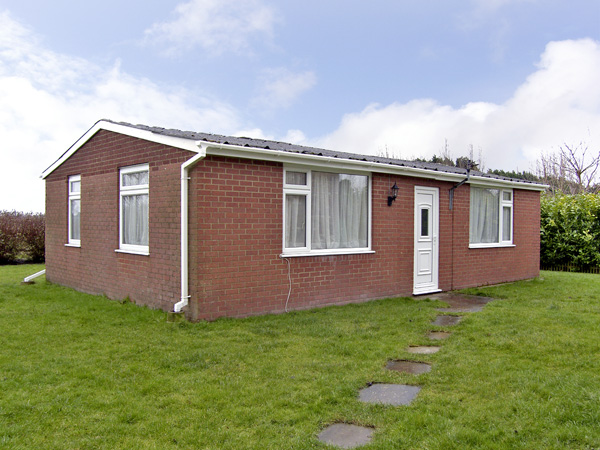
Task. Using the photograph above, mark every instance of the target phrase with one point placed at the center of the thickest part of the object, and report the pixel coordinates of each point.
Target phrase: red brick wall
(481, 266)
(236, 231)
(236, 227)
(95, 267)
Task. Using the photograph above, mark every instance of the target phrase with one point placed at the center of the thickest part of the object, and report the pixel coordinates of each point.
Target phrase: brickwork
(95, 267)
(481, 266)
(236, 234)
(236, 239)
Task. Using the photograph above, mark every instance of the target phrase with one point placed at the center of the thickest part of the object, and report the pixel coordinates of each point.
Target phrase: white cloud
(280, 87)
(217, 26)
(50, 99)
(558, 103)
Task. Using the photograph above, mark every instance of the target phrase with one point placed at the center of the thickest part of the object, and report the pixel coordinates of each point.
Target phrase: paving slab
(412, 367)
(345, 435)
(438, 335)
(423, 349)
(446, 321)
(389, 394)
(461, 302)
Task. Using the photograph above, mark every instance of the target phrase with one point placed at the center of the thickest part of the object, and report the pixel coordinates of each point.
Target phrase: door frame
(434, 218)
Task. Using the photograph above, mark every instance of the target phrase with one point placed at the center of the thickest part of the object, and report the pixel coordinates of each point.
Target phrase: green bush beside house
(570, 231)
(21, 237)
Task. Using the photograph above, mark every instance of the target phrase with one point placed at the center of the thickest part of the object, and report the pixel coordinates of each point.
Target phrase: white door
(425, 279)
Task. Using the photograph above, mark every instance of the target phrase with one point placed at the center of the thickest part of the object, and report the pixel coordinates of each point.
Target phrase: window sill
(133, 252)
(326, 253)
(73, 245)
(491, 245)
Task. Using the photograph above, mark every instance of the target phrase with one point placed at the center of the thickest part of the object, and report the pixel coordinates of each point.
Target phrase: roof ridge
(267, 144)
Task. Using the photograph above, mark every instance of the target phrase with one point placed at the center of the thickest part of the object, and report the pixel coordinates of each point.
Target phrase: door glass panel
(424, 222)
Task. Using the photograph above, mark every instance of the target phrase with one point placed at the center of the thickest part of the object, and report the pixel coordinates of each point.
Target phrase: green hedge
(21, 237)
(570, 230)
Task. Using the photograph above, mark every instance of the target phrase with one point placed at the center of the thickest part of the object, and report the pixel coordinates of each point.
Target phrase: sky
(507, 79)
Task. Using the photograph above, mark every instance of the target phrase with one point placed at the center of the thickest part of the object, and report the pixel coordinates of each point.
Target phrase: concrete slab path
(423, 349)
(345, 435)
(438, 335)
(389, 394)
(412, 367)
(461, 302)
(446, 321)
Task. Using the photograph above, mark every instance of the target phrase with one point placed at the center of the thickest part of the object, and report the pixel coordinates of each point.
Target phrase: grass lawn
(83, 372)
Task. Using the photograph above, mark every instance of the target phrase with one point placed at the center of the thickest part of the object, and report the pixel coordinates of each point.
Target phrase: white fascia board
(497, 183)
(184, 144)
(284, 157)
(236, 151)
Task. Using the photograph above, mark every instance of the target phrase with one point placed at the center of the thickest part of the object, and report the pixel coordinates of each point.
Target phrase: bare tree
(478, 163)
(572, 170)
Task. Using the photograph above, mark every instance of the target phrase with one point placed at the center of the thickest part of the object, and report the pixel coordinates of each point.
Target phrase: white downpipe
(184, 229)
(35, 275)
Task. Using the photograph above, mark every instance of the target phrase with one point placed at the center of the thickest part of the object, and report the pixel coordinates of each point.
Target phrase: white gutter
(237, 151)
(185, 168)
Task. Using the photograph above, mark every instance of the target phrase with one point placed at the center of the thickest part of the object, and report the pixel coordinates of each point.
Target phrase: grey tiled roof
(300, 149)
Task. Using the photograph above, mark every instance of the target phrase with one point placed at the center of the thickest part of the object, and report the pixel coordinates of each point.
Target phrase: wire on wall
(289, 281)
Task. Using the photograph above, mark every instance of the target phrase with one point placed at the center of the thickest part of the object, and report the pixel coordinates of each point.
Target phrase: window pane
(506, 196)
(484, 215)
(424, 222)
(135, 178)
(339, 208)
(295, 178)
(295, 221)
(135, 219)
(506, 216)
(75, 187)
(75, 223)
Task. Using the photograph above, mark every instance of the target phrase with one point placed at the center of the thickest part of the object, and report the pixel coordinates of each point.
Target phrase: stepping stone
(345, 435)
(462, 302)
(445, 321)
(423, 349)
(438, 335)
(389, 394)
(413, 367)
(460, 309)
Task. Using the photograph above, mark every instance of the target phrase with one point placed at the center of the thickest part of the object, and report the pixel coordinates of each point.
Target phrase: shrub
(33, 236)
(570, 230)
(9, 232)
(21, 237)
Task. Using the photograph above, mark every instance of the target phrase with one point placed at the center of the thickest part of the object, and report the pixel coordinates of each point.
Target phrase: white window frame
(506, 204)
(72, 195)
(292, 189)
(124, 191)
(501, 205)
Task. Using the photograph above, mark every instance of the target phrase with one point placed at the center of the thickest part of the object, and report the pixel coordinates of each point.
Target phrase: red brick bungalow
(226, 226)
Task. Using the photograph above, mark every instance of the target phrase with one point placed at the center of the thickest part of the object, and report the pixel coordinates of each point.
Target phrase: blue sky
(509, 79)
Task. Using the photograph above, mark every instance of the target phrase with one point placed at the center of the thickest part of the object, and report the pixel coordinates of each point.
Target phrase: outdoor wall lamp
(393, 194)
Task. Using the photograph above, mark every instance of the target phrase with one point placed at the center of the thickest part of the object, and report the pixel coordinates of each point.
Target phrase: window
(74, 210)
(133, 220)
(325, 212)
(491, 217)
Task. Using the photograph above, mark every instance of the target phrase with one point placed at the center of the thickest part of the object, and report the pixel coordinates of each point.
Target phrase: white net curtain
(484, 215)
